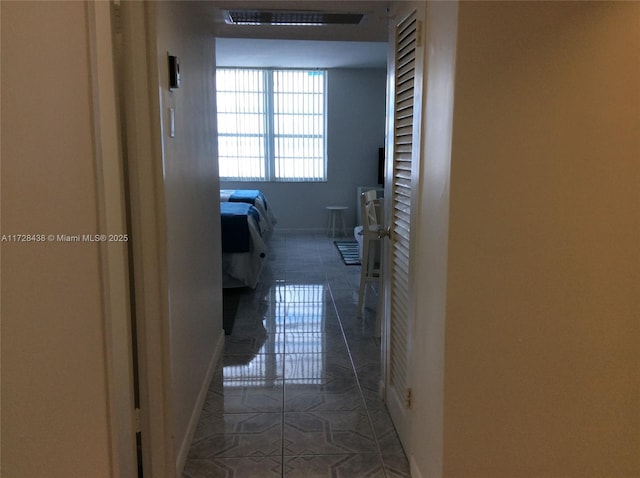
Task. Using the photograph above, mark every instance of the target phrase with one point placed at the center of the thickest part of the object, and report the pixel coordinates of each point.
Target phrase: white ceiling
(300, 53)
(331, 46)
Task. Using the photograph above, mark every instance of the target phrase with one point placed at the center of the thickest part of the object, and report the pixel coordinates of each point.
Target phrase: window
(271, 124)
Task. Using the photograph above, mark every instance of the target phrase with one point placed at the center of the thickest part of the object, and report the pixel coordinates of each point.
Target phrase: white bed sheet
(242, 269)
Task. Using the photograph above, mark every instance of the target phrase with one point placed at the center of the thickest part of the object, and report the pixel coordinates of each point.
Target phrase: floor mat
(349, 252)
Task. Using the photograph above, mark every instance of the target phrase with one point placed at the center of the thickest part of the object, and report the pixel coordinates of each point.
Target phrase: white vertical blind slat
(287, 144)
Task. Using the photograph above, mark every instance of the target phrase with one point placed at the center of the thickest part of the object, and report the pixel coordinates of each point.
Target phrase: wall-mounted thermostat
(174, 72)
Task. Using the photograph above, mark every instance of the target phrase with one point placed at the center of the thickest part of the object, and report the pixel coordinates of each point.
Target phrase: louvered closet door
(404, 134)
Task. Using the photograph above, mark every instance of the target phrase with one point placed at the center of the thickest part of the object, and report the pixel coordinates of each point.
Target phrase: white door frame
(114, 261)
(143, 150)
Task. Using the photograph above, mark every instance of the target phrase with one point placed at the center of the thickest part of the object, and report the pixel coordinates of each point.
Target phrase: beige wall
(54, 383)
(191, 191)
(56, 356)
(543, 296)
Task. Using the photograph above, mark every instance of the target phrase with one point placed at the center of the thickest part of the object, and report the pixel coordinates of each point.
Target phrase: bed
(243, 247)
(247, 223)
(257, 199)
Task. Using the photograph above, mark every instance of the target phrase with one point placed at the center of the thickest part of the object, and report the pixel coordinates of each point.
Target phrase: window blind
(271, 124)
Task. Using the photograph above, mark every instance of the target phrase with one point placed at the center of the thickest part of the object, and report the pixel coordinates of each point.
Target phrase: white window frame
(268, 134)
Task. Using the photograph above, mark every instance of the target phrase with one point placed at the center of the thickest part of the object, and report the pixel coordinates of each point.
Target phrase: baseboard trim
(197, 409)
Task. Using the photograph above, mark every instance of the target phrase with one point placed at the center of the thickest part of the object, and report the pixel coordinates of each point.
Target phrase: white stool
(336, 215)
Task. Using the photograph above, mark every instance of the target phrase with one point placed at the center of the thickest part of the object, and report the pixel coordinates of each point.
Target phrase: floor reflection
(296, 318)
(297, 391)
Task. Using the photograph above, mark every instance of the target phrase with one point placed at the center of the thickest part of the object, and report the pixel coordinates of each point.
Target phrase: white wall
(191, 193)
(55, 410)
(356, 121)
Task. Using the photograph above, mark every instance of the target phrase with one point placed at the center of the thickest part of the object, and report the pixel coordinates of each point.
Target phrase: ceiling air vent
(283, 17)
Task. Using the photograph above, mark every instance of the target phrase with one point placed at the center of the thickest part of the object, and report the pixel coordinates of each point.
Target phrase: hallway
(297, 393)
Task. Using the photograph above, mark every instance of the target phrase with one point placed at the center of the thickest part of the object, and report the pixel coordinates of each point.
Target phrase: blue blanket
(249, 196)
(235, 228)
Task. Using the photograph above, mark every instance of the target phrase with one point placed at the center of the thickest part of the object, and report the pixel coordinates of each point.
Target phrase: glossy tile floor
(297, 393)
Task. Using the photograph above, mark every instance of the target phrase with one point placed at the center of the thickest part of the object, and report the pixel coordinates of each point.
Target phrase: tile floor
(297, 392)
